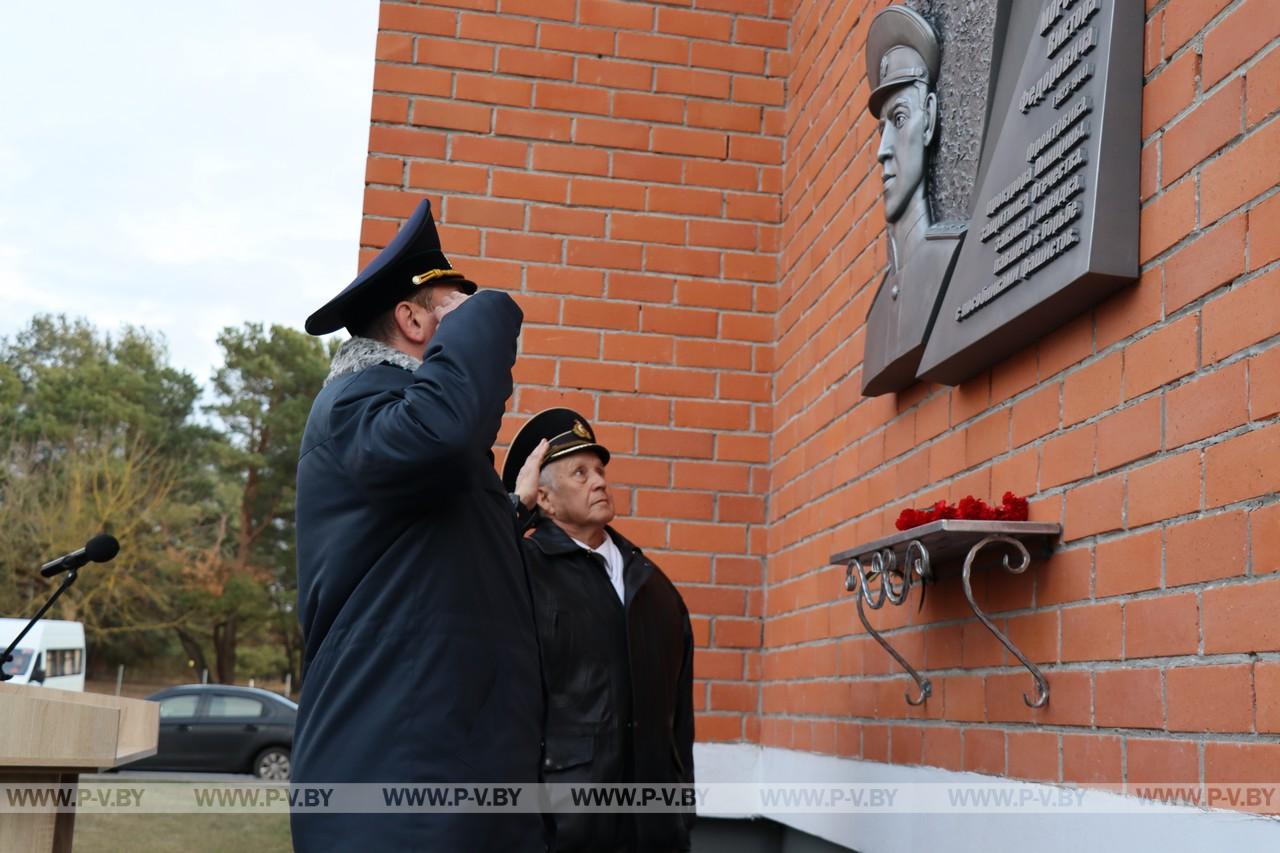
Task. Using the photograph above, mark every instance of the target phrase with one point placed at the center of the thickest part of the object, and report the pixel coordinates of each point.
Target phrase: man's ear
(544, 501)
(931, 111)
(410, 323)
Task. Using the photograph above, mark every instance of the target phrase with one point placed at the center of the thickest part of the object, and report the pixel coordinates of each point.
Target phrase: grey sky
(182, 166)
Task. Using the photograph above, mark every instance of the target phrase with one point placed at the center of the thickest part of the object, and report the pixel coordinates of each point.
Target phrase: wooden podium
(50, 736)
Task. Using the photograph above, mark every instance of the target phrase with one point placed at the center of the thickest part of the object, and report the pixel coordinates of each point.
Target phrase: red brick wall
(683, 197)
(1146, 427)
(617, 167)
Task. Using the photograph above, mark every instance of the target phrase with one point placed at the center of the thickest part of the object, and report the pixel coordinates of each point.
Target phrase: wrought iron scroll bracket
(1042, 686)
(873, 574)
(884, 566)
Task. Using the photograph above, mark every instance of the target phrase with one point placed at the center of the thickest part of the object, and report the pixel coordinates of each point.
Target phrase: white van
(52, 653)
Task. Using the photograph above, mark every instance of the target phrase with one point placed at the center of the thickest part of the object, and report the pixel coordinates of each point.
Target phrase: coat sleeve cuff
(524, 515)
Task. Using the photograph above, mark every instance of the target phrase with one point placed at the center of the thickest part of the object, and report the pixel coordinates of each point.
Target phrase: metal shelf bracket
(1042, 686)
(884, 565)
(877, 566)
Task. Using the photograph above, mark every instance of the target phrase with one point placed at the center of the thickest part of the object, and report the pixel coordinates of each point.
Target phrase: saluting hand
(527, 479)
(450, 301)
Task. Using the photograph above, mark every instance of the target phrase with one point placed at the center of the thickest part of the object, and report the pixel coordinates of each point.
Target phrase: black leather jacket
(619, 687)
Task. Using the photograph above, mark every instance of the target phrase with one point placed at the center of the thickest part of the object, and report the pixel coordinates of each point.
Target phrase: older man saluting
(421, 660)
(617, 646)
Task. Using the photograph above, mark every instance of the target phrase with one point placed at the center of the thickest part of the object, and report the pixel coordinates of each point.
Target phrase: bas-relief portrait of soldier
(903, 57)
(1019, 121)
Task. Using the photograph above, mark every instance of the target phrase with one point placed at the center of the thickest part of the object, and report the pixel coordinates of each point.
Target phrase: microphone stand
(7, 655)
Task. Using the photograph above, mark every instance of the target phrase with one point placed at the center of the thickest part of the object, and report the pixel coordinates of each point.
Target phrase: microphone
(99, 549)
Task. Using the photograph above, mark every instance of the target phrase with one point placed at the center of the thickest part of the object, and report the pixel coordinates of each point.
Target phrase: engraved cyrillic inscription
(1053, 228)
(1029, 221)
(1060, 68)
(1071, 26)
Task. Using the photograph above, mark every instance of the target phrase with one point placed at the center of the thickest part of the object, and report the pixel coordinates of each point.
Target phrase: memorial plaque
(1054, 222)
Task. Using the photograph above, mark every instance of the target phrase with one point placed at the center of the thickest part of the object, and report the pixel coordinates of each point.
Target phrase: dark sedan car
(220, 728)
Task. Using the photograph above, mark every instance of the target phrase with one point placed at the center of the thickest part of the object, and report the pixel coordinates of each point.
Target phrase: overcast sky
(182, 166)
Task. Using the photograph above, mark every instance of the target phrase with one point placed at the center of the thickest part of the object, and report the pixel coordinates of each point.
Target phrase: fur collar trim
(358, 353)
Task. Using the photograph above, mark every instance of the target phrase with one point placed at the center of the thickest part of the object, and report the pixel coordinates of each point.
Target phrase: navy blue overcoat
(421, 657)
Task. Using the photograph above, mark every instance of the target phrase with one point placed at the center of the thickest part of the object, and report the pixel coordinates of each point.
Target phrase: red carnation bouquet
(1012, 508)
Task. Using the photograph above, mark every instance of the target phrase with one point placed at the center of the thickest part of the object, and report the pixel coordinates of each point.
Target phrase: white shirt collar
(613, 561)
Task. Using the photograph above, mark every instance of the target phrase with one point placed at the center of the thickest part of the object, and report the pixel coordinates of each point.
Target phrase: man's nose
(886, 146)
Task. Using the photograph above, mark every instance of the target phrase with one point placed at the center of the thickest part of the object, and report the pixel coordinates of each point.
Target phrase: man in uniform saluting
(421, 659)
